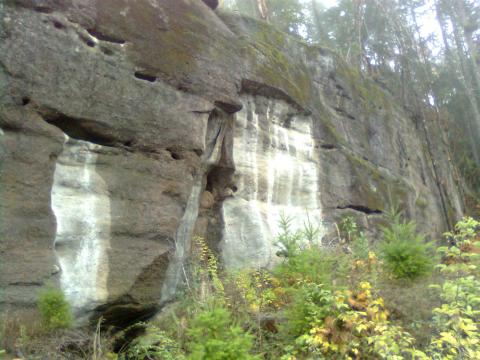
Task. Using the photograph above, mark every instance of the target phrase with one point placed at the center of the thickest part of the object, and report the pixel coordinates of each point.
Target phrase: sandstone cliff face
(128, 125)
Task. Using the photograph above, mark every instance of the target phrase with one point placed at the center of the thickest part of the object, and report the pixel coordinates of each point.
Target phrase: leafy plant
(54, 309)
(345, 325)
(213, 336)
(361, 249)
(456, 321)
(404, 251)
(348, 229)
(310, 304)
(154, 344)
(207, 268)
(257, 289)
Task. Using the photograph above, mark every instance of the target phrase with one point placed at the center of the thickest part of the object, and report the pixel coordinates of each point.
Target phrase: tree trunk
(470, 92)
(473, 126)
(262, 8)
(470, 47)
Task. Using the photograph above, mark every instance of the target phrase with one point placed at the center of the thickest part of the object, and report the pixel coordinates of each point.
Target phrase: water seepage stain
(277, 175)
(81, 206)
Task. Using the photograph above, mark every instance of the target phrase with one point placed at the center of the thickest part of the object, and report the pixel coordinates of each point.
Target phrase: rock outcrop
(128, 125)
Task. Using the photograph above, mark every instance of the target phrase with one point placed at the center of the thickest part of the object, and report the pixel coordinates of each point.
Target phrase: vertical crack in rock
(81, 205)
(277, 174)
(211, 155)
(176, 269)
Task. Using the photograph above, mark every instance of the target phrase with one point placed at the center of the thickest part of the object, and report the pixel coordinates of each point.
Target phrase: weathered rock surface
(146, 92)
(276, 175)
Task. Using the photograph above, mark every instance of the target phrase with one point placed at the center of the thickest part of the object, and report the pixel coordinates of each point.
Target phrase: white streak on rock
(277, 174)
(81, 205)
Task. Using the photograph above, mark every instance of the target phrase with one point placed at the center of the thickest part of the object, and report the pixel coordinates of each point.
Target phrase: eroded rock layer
(128, 126)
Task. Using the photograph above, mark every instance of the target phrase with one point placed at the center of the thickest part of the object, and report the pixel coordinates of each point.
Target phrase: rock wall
(126, 126)
(276, 175)
(81, 206)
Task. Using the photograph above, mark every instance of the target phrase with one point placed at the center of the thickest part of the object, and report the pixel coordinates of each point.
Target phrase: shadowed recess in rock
(361, 208)
(82, 129)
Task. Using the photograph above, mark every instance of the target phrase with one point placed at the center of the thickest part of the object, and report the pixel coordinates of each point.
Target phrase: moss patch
(371, 97)
(377, 188)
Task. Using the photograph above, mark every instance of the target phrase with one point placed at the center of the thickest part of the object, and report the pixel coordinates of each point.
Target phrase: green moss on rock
(376, 186)
(365, 90)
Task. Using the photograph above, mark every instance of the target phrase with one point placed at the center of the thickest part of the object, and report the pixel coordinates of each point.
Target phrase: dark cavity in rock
(80, 129)
(360, 208)
(142, 76)
(212, 4)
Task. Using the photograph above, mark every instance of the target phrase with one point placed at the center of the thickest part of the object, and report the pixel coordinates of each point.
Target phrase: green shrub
(54, 309)
(310, 304)
(304, 258)
(318, 265)
(361, 248)
(213, 336)
(154, 344)
(405, 253)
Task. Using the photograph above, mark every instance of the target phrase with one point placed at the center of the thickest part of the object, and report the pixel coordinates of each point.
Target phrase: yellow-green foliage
(54, 309)
(354, 325)
(258, 289)
(207, 269)
(456, 321)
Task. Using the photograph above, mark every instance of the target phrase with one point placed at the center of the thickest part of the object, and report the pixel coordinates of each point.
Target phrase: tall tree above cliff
(461, 60)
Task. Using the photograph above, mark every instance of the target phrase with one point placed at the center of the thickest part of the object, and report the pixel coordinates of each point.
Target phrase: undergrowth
(397, 298)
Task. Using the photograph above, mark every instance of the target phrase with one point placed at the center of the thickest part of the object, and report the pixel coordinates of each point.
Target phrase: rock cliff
(127, 126)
